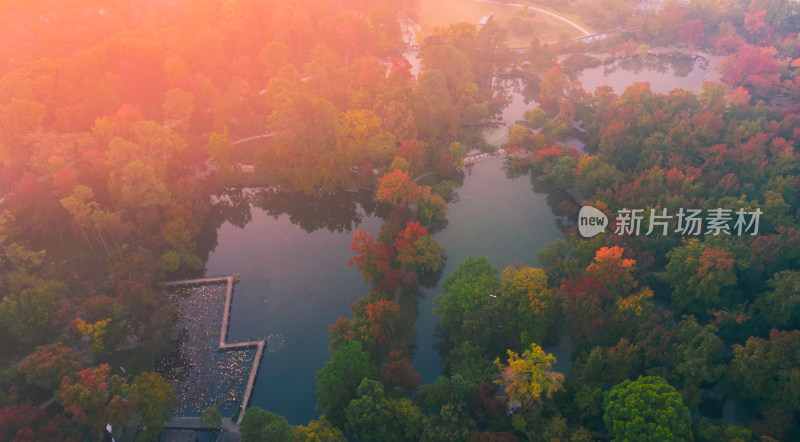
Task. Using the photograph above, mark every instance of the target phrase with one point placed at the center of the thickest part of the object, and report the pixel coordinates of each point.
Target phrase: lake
(295, 283)
(501, 218)
(291, 251)
(664, 72)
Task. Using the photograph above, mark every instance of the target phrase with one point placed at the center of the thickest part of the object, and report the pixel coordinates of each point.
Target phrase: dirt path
(564, 19)
(254, 137)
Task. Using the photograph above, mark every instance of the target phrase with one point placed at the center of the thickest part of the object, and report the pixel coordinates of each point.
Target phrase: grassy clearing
(435, 13)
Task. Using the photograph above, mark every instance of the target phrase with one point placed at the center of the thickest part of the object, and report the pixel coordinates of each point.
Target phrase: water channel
(291, 252)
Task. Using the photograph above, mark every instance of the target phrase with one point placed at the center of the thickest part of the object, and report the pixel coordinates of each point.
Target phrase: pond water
(291, 251)
(294, 283)
(664, 72)
(494, 216)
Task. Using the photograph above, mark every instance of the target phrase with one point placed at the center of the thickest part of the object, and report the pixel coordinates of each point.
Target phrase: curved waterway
(291, 252)
(295, 282)
(494, 216)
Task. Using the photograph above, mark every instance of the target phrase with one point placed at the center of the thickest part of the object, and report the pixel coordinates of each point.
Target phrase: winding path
(544, 11)
(254, 137)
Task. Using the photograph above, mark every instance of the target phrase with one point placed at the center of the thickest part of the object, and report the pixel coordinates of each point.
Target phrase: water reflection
(664, 72)
(336, 212)
(681, 65)
(291, 252)
(519, 92)
(494, 216)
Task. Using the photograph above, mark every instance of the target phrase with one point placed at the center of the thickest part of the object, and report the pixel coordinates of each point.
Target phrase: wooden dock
(223, 334)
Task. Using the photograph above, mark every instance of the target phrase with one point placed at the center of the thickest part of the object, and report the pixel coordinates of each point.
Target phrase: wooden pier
(223, 335)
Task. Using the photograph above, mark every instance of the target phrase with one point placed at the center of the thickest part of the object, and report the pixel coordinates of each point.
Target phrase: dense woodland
(119, 120)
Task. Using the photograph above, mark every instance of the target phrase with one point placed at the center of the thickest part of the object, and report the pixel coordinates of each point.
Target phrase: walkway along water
(223, 345)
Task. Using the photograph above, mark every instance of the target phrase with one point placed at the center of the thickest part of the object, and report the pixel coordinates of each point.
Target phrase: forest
(120, 120)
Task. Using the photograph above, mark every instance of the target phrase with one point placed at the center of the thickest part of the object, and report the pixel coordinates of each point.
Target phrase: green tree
(340, 377)
(14, 256)
(594, 174)
(700, 359)
(155, 403)
(430, 209)
(767, 371)
(451, 423)
(371, 416)
(364, 139)
(219, 146)
(136, 186)
(607, 366)
(562, 174)
(554, 255)
(318, 431)
(526, 302)
(535, 118)
(779, 307)
(707, 430)
(29, 314)
(259, 425)
(446, 407)
(211, 417)
(458, 152)
(647, 409)
(434, 95)
(406, 419)
(400, 163)
(306, 149)
(454, 390)
(702, 277)
(367, 415)
(471, 363)
(465, 291)
(178, 108)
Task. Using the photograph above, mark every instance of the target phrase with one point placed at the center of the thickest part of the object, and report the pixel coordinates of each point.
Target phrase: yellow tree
(364, 139)
(219, 146)
(155, 402)
(96, 333)
(178, 108)
(527, 302)
(526, 379)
